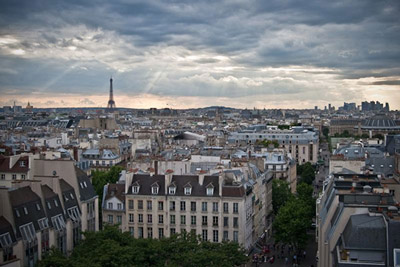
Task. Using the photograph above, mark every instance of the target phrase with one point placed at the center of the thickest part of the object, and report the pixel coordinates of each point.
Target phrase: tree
(305, 194)
(292, 222)
(325, 131)
(307, 173)
(54, 258)
(110, 247)
(280, 194)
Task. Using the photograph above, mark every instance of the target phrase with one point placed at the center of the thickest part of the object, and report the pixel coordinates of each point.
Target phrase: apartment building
(114, 205)
(358, 223)
(51, 208)
(215, 208)
(301, 143)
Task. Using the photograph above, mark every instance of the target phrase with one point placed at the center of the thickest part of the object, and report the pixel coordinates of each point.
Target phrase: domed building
(380, 124)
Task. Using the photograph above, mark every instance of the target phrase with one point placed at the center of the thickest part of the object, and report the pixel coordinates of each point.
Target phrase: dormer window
(22, 163)
(71, 195)
(188, 190)
(136, 189)
(26, 211)
(37, 206)
(154, 190)
(172, 190)
(17, 213)
(210, 191)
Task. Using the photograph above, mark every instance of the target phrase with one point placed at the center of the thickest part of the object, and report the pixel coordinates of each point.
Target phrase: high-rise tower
(111, 102)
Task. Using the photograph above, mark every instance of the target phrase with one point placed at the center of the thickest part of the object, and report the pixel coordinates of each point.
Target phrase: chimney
(220, 183)
(76, 153)
(156, 167)
(201, 178)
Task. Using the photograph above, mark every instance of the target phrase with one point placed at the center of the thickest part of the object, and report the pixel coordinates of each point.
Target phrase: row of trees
(306, 172)
(293, 213)
(110, 247)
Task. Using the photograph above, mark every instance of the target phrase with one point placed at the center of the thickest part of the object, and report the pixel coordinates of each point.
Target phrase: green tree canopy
(280, 194)
(110, 247)
(306, 172)
(305, 194)
(292, 222)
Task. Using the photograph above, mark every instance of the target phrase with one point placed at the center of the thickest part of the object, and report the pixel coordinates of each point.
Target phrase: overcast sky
(180, 54)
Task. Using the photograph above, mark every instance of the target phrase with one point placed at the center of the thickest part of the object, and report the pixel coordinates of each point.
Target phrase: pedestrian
(286, 260)
(304, 254)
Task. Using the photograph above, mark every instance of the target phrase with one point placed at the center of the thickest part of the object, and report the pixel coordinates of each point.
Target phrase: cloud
(290, 51)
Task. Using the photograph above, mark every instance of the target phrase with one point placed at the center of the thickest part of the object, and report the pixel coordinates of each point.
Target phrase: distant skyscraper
(111, 102)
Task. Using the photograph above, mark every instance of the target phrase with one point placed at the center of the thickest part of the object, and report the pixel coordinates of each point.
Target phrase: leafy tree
(307, 173)
(325, 131)
(379, 136)
(292, 222)
(280, 194)
(110, 247)
(54, 258)
(267, 143)
(305, 194)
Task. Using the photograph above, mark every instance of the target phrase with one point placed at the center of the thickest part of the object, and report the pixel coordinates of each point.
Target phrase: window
(71, 195)
(49, 205)
(204, 235)
(154, 190)
(160, 218)
(226, 207)
(225, 237)
(74, 214)
(131, 231)
(236, 222)
(110, 206)
(14, 176)
(55, 202)
(23, 176)
(183, 219)
(149, 218)
(37, 206)
(215, 206)
(235, 207)
(140, 232)
(235, 236)
(183, 205)
(215, 220)
(140, 204)
(119, 206)
(172, 219)
(131, 217)
(204, 206)
(3, 176)
(140, 218)
(103, 162)
(110, 219)
(215, 235)
(43, 223)
(136, 189)
(149, 232)
(396, 255)
(160, 233)
(193, 206)
(188, 190)
(5, 240)
(204, 220)
(172, 231)
(193, 220)
(25, 211)
(210, 191)
(149, 205)
(130, 204)
(22, 163)
(160, 205)
(226, 219)
(119, 219)
(172, 205)
(172, 190)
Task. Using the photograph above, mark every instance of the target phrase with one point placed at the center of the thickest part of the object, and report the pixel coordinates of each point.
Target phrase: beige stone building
(51, 208)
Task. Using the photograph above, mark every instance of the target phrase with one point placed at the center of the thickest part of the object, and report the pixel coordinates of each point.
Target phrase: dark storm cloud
(351, 39)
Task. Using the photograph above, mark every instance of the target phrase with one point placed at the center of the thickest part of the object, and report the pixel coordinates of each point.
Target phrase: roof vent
(367, 189)
(54, 173)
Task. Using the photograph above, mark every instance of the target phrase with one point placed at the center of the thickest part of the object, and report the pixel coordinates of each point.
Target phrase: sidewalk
(308, 261)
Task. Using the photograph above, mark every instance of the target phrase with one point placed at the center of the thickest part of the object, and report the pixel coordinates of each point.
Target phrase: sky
(188, 54)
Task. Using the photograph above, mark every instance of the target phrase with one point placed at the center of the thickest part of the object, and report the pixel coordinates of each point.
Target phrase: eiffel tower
(111, 102)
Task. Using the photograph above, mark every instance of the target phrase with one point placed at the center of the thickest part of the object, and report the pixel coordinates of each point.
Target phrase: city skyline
(186, 55)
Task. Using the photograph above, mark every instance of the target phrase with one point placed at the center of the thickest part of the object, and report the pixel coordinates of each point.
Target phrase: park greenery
(111, 247)
(293, 213)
